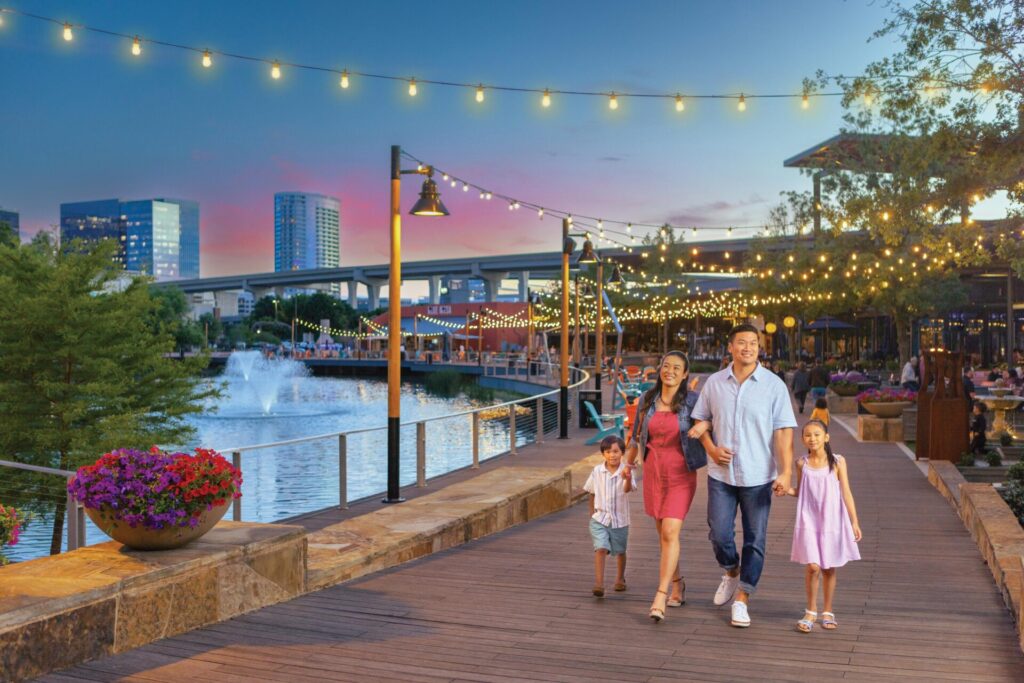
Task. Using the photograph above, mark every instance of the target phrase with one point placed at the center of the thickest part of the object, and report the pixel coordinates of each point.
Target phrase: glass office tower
(306, 232)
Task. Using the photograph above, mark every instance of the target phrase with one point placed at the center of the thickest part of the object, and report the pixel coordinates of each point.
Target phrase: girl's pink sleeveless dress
(668, 484)
(823, 534)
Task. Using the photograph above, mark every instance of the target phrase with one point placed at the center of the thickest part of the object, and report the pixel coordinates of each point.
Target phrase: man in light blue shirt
(750, 412)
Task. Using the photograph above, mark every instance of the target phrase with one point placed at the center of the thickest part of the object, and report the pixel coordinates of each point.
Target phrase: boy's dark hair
(980, 406)
(745, 327)
(609, 441)
(821, 403)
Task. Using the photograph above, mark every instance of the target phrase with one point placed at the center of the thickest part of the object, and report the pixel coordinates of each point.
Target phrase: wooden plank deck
(517, 607)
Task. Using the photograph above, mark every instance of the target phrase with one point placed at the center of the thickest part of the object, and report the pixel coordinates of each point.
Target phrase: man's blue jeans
(754, 503)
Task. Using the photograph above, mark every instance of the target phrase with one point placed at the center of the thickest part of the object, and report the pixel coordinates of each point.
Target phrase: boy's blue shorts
(607, 538)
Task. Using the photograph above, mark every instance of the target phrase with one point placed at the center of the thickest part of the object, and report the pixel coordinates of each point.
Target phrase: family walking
(741, 427)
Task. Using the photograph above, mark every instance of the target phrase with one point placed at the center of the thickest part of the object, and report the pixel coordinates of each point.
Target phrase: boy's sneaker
(727, 589)
(740, 618)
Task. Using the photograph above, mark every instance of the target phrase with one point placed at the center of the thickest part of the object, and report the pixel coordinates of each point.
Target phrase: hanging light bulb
(488, 196)
(679, 103)
(742, 104)
(540, 212)
(465, 187)
(275, 70)
(344, 78)
(136, 46)
(453, 182)
(480, 93)
(695, 231)
(729, 232)
(444, 177)
(412, 87)
(545, 100)
(207, 59)
(805, 102)
(613, 103)
(67, 32)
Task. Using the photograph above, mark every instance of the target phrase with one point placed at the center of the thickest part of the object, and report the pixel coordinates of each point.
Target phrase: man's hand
(782, 484)
(721, 455)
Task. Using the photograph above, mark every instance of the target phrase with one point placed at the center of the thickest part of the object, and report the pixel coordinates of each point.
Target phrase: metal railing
(527, 419)
(74, 513)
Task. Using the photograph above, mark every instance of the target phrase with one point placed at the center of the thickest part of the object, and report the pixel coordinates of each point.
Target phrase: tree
(170, 316)
(83, 368)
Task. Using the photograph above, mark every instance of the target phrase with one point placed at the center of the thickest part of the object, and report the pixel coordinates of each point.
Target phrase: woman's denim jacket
(692, 449)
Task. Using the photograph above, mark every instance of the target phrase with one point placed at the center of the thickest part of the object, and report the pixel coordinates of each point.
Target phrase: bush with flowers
(156, 489)
(12, 521)
(892, 395)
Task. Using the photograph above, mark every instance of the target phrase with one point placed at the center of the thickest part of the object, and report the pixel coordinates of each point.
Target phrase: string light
(412, 87)
(613, 103)
(207, 59)
(679, 103)
(68, 35)
(275, 70)
(136, 46)
(742, 104)
(545, 100)
(344, 79)
(805, 102)
(480, 93)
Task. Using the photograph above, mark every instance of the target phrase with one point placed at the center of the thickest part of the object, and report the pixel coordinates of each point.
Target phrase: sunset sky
(87, 120)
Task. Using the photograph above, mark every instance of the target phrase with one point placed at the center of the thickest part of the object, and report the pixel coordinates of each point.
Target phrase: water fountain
(255, 380)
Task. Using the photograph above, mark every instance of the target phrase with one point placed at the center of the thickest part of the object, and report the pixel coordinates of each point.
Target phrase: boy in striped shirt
(609, 485)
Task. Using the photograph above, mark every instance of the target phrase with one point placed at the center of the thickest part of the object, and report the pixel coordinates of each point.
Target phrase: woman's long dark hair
(828, 447)
(653, 393)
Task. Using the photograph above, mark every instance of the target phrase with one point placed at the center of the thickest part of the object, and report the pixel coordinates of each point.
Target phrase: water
(266, 401)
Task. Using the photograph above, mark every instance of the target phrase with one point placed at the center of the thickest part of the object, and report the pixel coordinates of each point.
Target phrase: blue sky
(86, 120)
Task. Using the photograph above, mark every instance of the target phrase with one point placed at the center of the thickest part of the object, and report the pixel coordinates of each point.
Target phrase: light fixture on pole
(615, 281)
(568, 246)
(429, 204)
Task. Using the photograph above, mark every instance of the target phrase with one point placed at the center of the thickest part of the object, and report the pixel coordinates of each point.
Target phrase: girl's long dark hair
(653, 393)
(828, 447)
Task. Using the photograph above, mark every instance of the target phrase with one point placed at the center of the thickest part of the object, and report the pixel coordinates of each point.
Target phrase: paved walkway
(517, 607)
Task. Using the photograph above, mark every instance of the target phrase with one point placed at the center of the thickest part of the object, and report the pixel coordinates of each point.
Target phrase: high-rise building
(9, 220)
(306, 231)
(158, 237)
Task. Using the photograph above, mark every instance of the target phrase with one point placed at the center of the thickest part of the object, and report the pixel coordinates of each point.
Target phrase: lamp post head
(615, 280)
(588, 255)
(429, 203)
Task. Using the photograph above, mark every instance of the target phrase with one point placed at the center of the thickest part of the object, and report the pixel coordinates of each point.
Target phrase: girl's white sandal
(805, 625)
(828, 621)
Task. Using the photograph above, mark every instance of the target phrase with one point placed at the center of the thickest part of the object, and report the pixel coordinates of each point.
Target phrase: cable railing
(479, 433)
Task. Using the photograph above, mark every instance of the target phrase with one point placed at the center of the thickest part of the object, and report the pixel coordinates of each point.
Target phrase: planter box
(871, 428)
(845, 405)
(886, 409)
(984, 475)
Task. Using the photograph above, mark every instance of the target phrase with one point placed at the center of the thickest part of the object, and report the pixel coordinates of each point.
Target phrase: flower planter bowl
(141, 538)
(886, 408)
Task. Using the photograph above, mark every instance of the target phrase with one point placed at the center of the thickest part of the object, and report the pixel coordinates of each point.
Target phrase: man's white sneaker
(727, 589)
(740, 618)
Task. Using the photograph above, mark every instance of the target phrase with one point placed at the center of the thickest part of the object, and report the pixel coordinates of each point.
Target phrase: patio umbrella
(827, 322)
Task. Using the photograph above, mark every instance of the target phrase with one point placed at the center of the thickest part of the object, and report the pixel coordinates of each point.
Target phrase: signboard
(439, 310)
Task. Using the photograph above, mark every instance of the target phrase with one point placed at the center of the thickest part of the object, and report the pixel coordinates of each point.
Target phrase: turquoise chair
(603, 429)
(644, 386)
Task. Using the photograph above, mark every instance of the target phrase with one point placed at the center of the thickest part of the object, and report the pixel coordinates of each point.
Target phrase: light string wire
(613, 96)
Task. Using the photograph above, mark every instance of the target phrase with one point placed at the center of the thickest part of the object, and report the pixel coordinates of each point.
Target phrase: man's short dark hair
(610, 440)
(745, 327)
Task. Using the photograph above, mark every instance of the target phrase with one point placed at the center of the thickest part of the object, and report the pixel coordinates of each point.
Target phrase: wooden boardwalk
(517, 607)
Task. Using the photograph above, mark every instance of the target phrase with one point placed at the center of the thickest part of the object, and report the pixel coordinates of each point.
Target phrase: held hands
(791, 491)
(781, 486)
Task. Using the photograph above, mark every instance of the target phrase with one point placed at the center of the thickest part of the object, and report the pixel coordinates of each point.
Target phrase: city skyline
(231, 136)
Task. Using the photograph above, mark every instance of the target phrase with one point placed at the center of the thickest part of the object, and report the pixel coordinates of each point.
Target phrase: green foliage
(1013, 494)
(1005, 439)
(311, 308)
(450, 383)
(966, 459)
(1016, 473)
(703, 368)
(84, 366)
(993, 458)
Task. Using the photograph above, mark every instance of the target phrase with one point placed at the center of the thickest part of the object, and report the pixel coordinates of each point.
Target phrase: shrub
(703, 368)
(1005, 440)
(444, 383)
(966, 459)
(886, 396)
(993, 458)
(12, 521)
(1016, 473)
(844, 388)
(1014, 497)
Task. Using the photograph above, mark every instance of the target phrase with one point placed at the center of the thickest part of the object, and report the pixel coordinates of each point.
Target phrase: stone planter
(837, 403)
(984, 475)
(886, 409)
(140, 538)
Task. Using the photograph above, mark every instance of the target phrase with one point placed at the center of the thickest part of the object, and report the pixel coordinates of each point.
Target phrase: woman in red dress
(670, 464)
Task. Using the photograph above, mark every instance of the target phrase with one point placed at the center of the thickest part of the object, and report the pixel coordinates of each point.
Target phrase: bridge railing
(74, 513)
(431, 446)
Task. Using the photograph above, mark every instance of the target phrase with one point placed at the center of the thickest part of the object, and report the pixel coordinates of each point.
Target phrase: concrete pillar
(435, 289)
(524, 286)
(491, 286)
(373, 290)
(353, 293)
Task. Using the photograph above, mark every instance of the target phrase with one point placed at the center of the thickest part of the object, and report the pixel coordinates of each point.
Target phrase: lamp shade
(770, 328)
(429, 203)
(616, 279)
(588, 255)
(789, 321)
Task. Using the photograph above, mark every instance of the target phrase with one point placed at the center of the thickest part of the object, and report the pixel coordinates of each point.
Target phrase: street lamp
(588, 255)
(568, 246)
(429, 204)
(789, 322)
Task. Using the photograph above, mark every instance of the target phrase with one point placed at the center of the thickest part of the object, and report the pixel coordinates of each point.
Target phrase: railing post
(343, 471)
(236, 505)
(540, 421)
(476, 440)
(421, 454)
(80, 523)
(512, 428)
(71, 518)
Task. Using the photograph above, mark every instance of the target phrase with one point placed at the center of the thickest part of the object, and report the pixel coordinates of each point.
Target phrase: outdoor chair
(633, 373)
(607, 425)
(650, 373)
(644, 386)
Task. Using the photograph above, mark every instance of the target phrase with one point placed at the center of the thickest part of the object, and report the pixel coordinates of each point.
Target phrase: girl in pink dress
(827, 531)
